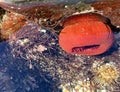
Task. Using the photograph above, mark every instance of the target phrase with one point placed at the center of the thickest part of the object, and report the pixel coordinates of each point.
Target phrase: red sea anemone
(86, 34)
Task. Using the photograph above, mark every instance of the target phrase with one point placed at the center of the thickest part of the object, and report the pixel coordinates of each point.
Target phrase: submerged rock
(32, 61)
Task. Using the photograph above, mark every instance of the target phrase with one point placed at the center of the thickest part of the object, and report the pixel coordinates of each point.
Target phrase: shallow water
(24, 67)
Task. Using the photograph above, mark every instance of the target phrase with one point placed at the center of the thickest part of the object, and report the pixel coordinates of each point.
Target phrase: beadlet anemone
(86, 34)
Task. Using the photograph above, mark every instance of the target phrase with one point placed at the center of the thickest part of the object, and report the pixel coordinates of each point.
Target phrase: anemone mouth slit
(83, 48)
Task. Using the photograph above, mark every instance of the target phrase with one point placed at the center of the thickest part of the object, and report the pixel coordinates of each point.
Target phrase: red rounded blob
(86, 34)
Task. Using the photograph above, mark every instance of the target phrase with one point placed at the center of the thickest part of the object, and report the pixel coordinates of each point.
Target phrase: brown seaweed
(110, 9)
(46, 14)
(36, 10)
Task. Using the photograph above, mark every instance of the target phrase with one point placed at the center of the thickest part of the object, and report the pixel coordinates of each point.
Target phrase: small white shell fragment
(41, 48)
(43, 30)
(22, 42)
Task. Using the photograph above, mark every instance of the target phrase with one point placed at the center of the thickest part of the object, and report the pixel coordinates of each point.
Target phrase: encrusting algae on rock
(10, 23)
(110, 9)
(40, 49)
(81, 86)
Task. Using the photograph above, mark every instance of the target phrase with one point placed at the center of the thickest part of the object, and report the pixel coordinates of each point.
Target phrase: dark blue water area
(16, 76)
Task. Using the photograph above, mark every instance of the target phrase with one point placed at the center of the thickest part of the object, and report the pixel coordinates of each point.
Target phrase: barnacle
(105, 74)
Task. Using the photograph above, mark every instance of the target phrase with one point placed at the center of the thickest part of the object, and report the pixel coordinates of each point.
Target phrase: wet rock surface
(110, 9)
(32, 61)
